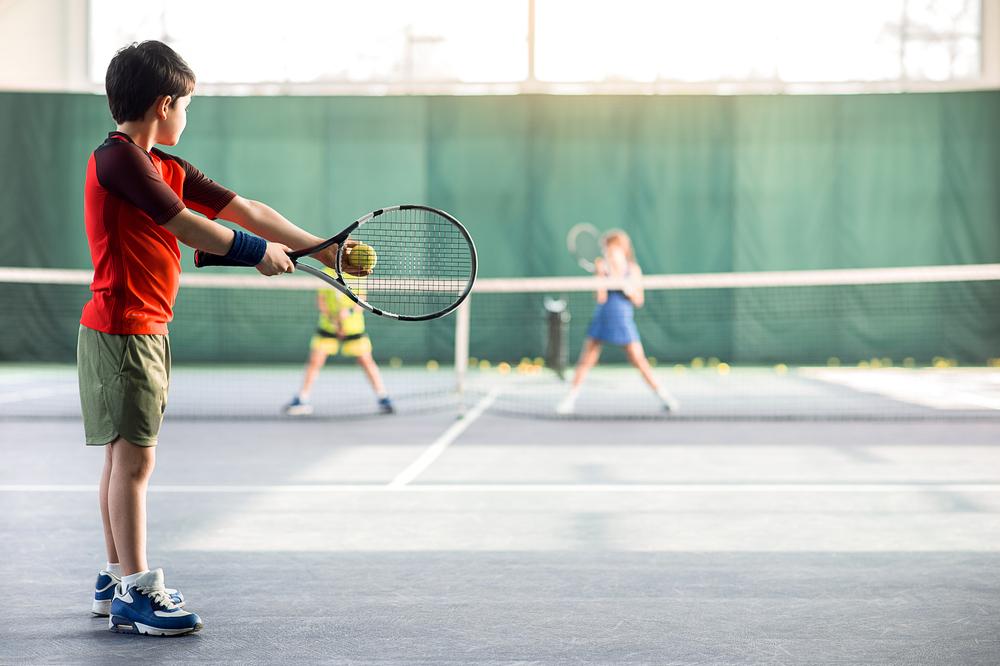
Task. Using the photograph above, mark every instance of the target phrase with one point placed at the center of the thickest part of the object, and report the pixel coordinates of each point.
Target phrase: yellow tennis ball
(362, 256)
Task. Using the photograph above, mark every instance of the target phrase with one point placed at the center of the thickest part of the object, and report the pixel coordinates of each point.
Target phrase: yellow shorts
(354, 347)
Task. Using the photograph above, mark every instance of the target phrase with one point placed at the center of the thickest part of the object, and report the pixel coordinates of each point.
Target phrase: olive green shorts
(123, 386)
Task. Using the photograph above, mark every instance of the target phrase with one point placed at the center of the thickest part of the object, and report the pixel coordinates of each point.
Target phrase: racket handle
(202, 259)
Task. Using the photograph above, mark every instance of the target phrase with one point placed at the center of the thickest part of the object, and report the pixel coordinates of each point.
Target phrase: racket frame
(571, 244)
(338, 282)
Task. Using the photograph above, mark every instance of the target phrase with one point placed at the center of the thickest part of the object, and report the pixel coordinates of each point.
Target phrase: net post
(461, 344)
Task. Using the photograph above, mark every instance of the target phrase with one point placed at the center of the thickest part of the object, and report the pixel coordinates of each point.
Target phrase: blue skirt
(614, 321)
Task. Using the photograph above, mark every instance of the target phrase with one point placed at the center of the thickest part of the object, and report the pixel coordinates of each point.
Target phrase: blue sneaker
(146, 608)
(385, 405)
(104, 592)
(298, 407)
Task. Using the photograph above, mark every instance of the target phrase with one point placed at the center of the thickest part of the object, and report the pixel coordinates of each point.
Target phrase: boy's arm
(268, 223)
(214, 201)
(201, 234)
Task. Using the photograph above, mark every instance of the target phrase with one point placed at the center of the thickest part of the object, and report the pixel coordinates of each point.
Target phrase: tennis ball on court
(362, 256)
(432, 365)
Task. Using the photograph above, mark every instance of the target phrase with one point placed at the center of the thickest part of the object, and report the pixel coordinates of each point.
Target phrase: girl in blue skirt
(614, 320)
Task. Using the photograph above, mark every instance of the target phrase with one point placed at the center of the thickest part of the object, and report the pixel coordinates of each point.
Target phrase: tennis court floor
(421, 539)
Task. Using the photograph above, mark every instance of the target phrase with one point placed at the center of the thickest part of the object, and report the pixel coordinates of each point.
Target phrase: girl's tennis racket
(424, 262)
(584, 243)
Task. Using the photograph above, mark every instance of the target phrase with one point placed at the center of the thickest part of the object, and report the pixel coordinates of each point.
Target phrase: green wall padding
(703, 184)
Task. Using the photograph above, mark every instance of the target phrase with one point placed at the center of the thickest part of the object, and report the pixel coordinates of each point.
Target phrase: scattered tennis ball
(484, 365)
(679, 367)
(503, 367)
(833, 362)
(652, 361)
(432, 365)
(781, 368)
(909, 362)
(362, 256)
(723, 368)
(395, 362)
(539, 361)
(697, 362)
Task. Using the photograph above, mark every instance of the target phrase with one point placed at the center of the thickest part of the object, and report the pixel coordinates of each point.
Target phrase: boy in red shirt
(137, 206)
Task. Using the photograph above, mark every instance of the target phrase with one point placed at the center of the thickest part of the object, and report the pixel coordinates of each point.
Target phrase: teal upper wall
(702, 183)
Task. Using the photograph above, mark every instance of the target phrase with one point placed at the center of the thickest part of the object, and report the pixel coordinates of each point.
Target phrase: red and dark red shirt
(129, 193)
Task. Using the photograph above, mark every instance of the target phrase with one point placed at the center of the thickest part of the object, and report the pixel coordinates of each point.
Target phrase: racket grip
(202, 259)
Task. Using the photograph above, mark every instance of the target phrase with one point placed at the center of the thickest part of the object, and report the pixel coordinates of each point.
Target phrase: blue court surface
(420, 539)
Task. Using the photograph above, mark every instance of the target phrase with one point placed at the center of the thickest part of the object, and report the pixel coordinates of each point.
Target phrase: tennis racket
(584, 243)
(425, 263)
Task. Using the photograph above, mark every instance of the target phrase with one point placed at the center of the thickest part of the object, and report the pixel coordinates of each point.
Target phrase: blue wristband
(247, 249)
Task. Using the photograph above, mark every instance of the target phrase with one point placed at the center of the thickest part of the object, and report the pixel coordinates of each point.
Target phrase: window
(547, 45)
(304, 41)
(759, 40)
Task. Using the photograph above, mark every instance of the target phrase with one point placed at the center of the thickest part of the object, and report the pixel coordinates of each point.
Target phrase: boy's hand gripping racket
(420, 262)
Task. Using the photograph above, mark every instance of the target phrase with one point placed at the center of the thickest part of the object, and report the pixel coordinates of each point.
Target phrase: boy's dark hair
(141, 72)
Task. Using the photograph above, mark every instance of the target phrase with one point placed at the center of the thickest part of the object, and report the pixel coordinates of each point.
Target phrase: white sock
(114, 568)
(129, 581)
(381, 395)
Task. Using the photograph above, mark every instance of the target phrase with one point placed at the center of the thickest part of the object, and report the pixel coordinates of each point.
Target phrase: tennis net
(906, 343)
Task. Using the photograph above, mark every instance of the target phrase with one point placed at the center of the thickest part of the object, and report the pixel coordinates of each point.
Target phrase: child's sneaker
(567, 405)
(104, 592)
(298, 407)
(146, 608)
(385, 405)
(669, 402)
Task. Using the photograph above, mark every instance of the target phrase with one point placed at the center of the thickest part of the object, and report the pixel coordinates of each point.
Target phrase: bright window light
(594, 43)
(762, 40)
(305, 41)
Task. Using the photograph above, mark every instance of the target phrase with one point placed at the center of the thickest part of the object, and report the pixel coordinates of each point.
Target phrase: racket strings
(424, 262)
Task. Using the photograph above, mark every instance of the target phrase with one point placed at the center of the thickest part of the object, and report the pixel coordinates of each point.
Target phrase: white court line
(36, 393)
(432, 453)
(668, 488)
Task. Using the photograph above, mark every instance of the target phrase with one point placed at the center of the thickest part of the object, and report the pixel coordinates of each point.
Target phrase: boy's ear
(161, 105)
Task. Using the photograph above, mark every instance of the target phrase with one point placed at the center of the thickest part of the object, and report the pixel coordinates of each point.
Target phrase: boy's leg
(317, 359)
(109, 539)
(368, 364)
(131, 468)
